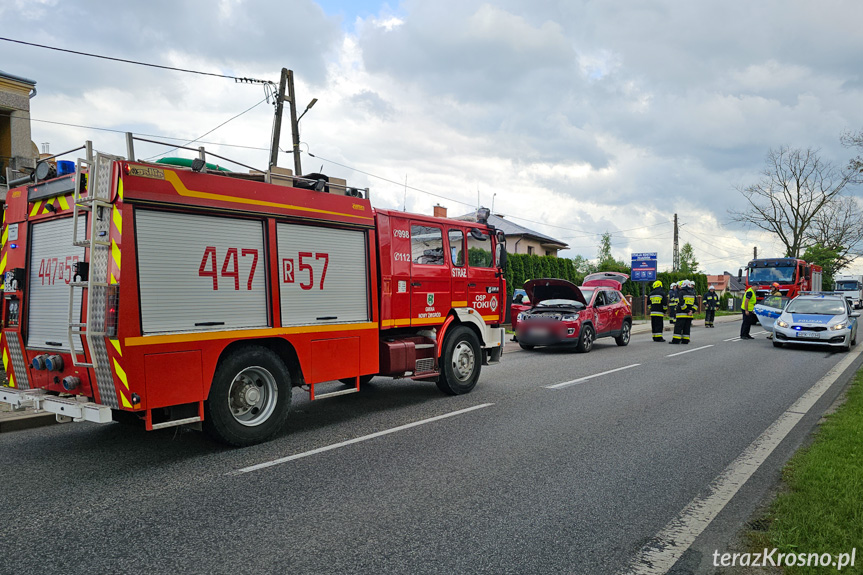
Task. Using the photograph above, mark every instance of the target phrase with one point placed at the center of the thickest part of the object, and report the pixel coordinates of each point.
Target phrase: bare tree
(854, 140)
(839, 227)
(796, 186)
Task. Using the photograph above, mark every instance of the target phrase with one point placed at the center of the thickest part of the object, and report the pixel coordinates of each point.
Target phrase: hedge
(523, 267)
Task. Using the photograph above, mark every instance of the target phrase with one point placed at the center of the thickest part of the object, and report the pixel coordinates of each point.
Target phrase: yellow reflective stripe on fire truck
(115, 252)
(118, 220)
(11, 381)
(125, 402)
(116, 344)
(64, 202)
(184, 191)
(121, 374)
(5, 235)
(5, 359)
(3, 264)
(459, 304)
(490, 318)
(395, 322)
(120, 189)
(249, 333)
(36, 207)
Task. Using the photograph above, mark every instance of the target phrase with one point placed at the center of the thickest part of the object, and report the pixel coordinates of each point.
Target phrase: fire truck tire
(460, 361)
(364, 379)
(249, 399)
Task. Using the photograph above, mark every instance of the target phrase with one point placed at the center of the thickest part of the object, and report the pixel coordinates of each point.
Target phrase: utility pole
(295, 129)
(287, 82)
(277, 121)
(675, 264)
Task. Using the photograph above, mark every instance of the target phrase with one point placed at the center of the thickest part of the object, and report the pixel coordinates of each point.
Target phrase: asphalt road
(575, 479)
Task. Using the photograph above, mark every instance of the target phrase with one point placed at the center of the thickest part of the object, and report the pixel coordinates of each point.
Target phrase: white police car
(817, 319)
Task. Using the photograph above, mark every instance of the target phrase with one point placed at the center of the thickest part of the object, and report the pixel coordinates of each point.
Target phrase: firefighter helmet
(657, 284)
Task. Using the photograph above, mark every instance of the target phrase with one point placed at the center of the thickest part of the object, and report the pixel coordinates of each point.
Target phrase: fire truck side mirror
(501, 255)
(477, 234)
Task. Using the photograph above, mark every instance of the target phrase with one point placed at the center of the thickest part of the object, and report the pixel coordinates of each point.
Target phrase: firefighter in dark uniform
(672, 301)
(658, 306)
(711, 302)
(685, 310)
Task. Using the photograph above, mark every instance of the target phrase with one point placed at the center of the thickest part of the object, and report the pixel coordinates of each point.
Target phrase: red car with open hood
(565, 314)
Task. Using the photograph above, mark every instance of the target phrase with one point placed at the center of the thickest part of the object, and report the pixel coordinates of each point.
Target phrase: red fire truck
(792, 275)
(186, 294)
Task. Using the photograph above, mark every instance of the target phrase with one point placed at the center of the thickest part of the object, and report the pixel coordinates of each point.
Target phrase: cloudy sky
(572, 117)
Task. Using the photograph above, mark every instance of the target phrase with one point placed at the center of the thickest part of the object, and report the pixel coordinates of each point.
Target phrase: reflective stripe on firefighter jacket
(673, 299)
(749, 299)
(711, 300)
(686, 306)
(658, 302)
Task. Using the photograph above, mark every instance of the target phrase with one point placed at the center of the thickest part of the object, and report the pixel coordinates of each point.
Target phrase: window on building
(530, 250)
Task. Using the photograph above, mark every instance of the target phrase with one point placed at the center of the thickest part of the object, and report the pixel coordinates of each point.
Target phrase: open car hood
(549, 288)
(605, 279)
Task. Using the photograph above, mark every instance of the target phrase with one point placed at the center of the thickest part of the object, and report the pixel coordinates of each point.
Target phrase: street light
(309, 107)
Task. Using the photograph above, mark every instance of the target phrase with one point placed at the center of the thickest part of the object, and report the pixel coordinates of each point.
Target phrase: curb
(28, 419)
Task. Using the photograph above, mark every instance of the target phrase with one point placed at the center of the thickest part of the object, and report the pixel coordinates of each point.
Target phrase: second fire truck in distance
(180, 295)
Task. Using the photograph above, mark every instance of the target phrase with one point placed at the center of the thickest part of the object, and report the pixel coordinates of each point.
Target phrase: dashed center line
(581, 379)
(689, 350)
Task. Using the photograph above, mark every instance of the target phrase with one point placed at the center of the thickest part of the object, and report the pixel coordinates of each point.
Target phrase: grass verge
(820, 509)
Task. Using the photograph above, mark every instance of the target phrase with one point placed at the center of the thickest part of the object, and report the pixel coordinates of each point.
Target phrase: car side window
(613, 297)
(600, 299)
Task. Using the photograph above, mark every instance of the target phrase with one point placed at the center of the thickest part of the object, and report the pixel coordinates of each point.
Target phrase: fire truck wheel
(460, 361)
(249, 399)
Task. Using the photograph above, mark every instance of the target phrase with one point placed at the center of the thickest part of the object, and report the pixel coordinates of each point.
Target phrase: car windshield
(847, 286)
(587, 293)
(817, 306)
(560, 302)
(784, 274)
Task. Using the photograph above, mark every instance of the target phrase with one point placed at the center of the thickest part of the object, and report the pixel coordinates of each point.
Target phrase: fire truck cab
(188, 295)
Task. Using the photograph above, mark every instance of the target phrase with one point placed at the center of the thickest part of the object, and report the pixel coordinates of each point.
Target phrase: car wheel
(350, 381)
(526, 346)
(625, 334)
(249, 399)
(585, 340)
(777, 344)
(460, 361)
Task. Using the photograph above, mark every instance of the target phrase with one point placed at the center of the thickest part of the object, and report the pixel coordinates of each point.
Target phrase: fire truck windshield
(783, 275)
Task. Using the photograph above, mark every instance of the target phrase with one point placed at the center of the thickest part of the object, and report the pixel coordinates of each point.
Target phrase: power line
(147, 135)
(211, 131)
(137, 63)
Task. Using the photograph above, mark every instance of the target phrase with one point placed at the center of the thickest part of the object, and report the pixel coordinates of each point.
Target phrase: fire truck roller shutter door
(51, 257)
(200, 272)
(323, 275)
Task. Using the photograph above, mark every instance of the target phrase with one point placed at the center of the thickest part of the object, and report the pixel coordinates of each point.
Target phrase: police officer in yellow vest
(685, 311)
(748, 313)
(658, 305)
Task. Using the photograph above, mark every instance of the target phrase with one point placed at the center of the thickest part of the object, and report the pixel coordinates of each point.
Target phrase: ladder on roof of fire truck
(97, 202)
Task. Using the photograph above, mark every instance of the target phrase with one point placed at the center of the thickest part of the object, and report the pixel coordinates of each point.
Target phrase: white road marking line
(581, 379)
(355, 440)
(732, 339)
(663, 551)
(689, 350)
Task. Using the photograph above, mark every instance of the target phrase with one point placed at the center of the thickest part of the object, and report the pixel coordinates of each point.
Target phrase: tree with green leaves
(825, 257)
(688, 263)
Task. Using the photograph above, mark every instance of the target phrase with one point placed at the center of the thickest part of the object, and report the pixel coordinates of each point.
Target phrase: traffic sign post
(644, 267)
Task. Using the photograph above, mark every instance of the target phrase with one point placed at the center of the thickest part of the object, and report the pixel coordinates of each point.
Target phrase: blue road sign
(644, 267)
